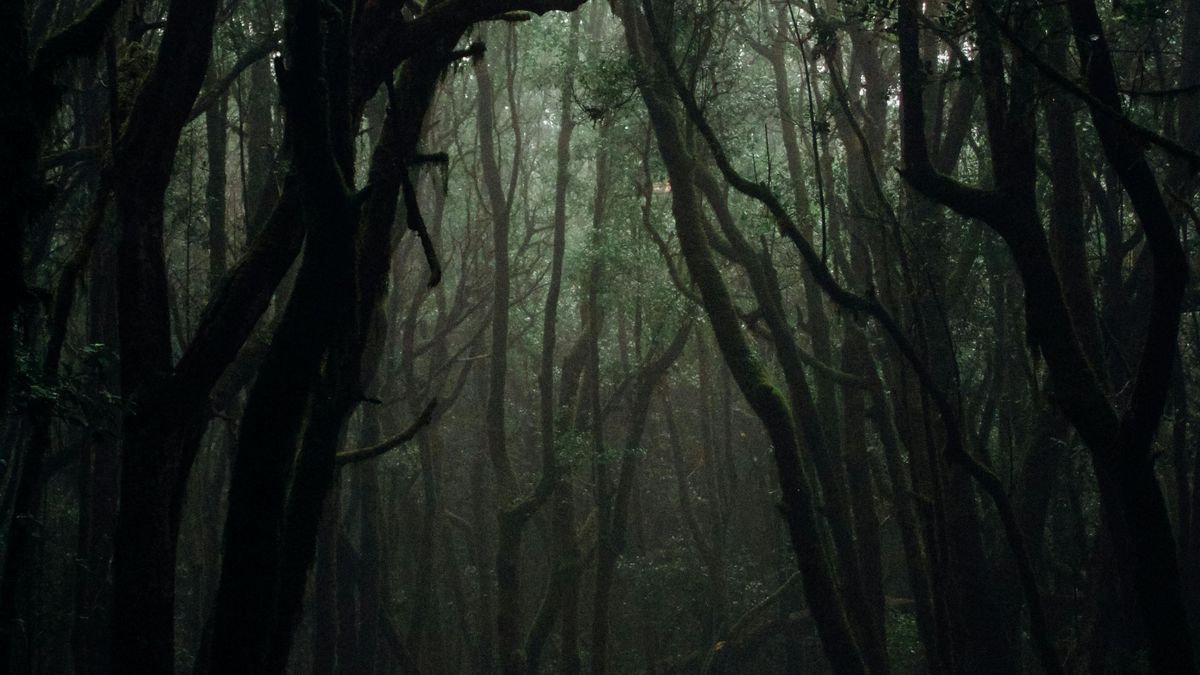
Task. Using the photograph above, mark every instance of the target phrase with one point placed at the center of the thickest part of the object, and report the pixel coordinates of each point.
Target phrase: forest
(626, 336)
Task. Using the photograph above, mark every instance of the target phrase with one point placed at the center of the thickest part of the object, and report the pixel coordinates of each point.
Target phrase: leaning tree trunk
(763, 397)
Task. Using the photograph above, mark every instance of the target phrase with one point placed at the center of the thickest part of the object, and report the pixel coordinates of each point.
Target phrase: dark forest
(626, 336)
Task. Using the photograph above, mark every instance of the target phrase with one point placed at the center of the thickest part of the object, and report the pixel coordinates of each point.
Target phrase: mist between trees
(647, 336)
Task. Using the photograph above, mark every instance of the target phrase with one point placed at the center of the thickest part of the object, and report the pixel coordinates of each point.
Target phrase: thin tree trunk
(612, 538)
(566, 552)
(214, 192)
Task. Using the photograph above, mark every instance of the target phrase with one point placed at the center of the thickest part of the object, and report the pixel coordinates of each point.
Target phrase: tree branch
(1094, 103)
(371, 451)
(384, 38)
(77, 40)
(214, 90)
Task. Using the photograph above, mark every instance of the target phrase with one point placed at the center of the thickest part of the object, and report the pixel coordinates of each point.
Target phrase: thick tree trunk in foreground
(147, 524)
(1120, 441)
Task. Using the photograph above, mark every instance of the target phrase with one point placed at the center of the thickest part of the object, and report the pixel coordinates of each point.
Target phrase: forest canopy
(638, 336)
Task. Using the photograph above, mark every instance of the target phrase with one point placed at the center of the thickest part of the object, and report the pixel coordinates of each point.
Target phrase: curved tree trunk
(764, 399)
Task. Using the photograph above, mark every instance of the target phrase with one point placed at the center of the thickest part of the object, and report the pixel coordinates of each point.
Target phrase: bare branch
(359, 454)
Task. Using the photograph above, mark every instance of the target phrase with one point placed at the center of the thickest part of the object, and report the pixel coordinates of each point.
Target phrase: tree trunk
(763, 398)
(566, 552)
(147, 523)
(214, 192)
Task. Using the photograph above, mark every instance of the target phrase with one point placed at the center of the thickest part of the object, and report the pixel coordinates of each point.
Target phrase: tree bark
(144, 546)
